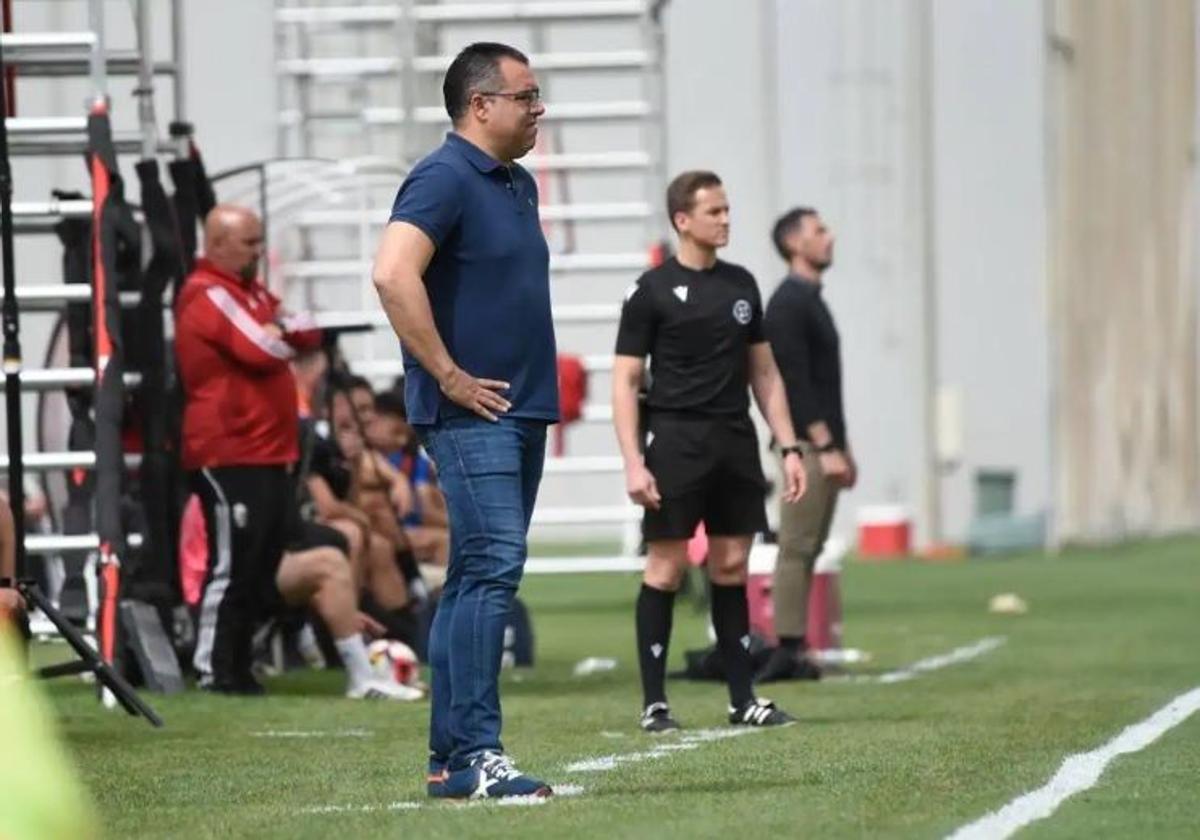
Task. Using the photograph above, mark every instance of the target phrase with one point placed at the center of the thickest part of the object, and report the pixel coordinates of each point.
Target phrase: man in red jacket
(240, 436)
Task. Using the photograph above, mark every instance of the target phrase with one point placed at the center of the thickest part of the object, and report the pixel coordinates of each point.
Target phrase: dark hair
(786, 225)
(355, 383)
(681, 193)
(391, 404)
(476, 67)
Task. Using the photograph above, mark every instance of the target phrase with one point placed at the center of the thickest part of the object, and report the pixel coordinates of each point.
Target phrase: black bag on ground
(706, 664)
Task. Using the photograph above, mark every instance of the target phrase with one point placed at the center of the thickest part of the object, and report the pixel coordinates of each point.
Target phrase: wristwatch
(785, 451)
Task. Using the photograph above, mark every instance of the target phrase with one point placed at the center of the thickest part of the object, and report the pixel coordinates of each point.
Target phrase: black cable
(12, 344)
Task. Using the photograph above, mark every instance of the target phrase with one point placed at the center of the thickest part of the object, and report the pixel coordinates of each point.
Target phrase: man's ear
(478, 105)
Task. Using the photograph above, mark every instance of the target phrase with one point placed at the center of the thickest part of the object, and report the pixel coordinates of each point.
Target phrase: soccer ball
(392, 660)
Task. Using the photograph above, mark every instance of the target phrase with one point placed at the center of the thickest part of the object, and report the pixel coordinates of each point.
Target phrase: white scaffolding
(86, 54)
(362, 83)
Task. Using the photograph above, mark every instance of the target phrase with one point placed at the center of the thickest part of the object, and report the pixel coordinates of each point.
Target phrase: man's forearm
(625, 419)
(406, 303)
(771, 397)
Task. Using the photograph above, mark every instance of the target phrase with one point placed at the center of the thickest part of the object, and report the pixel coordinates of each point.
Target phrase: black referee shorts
(707, 469)
(306, 535)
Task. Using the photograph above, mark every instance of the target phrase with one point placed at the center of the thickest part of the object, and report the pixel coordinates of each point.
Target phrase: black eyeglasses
(528, 98)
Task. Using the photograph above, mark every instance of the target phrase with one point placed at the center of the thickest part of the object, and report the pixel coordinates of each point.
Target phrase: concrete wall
(851, 137)
(991, 245)
(1124, 279)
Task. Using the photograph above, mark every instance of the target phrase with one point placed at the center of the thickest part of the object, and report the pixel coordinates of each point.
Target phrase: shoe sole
(540, 793)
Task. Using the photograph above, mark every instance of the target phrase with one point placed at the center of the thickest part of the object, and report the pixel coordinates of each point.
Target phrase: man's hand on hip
(481, 396)
(835, 467)
(852, 473)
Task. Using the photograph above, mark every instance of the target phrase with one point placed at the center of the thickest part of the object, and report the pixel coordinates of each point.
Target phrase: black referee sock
(731, 621)
(655, 610)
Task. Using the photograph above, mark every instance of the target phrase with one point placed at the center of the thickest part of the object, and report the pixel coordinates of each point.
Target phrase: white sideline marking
(942, 660)
(342, 809)
(304, 733)
(687, 741)
(559, 791)
(1079, 772)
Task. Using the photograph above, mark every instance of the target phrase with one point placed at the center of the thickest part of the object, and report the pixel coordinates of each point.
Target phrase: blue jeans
(489, 473)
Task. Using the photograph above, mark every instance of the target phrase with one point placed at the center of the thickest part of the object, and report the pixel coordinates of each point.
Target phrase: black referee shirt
(696, 327)
(807, 349)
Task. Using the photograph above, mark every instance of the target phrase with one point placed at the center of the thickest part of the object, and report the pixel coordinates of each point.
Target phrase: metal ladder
(346, 90)
(78, 54)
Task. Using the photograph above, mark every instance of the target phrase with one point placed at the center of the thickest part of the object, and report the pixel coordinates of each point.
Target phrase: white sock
(354, 659)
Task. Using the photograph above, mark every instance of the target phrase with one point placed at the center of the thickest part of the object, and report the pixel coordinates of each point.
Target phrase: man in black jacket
(806, 345)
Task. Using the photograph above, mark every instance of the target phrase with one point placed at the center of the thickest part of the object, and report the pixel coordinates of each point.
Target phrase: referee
(700, 321)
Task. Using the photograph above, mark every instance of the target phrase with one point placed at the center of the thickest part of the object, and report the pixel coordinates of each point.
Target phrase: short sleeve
(754, 330)
(635, 333)
(422, 472)
(430, 198)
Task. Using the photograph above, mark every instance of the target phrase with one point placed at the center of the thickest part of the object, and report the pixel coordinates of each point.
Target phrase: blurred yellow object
(41, 797)
(1008, 603)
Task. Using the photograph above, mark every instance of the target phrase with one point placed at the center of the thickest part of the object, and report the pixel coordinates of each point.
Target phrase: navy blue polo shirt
(488, 281)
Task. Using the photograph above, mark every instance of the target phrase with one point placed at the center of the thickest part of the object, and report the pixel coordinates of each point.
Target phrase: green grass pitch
(1111, 635)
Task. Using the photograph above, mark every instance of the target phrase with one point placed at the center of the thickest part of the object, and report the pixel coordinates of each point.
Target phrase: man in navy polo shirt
(463, 274)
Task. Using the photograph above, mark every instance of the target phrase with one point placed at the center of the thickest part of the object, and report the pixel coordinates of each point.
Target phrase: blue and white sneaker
(490, 775)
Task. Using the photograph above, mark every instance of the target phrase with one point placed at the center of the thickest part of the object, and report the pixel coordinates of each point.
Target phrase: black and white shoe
(759, 712)
(657, 718)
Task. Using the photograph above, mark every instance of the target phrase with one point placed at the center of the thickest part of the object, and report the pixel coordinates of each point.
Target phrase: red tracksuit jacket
(239, 391)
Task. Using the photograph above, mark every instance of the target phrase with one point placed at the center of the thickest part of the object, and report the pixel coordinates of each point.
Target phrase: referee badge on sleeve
(742, 312)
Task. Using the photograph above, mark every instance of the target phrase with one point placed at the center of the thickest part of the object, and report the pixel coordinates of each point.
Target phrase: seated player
(313, 572)
(427, 523)
(328, 481)
(362, 399)
(318, 576)
(375, 487)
